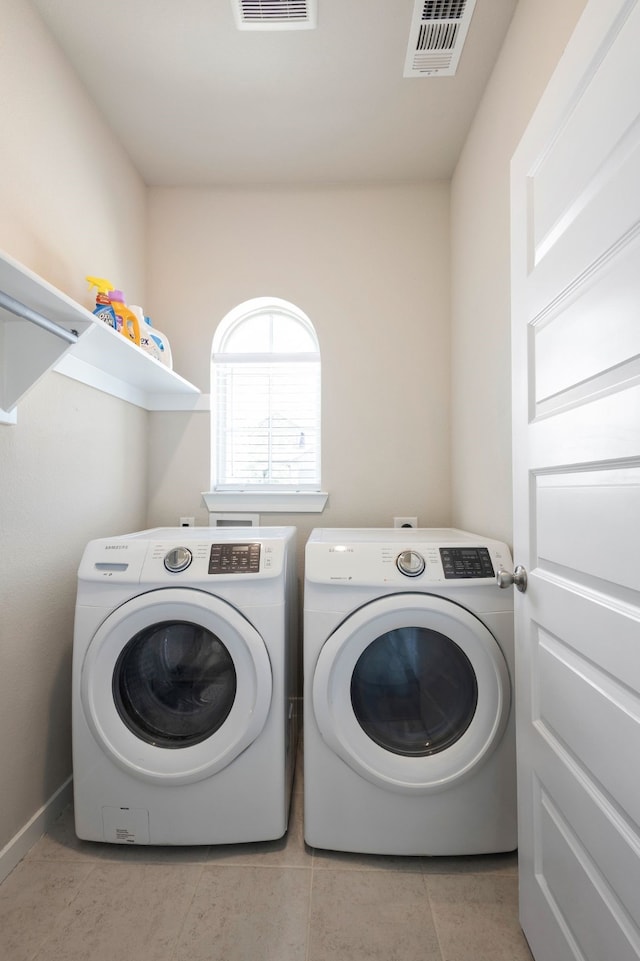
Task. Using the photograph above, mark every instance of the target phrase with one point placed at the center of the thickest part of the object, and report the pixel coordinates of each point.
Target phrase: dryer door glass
(414, 691)
(174, 684)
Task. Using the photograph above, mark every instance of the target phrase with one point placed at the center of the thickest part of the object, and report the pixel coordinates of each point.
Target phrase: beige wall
(480, 311)
(74, 466)
(370, 267)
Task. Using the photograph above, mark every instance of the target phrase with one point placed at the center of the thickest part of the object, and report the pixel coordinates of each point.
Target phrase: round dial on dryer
(177, 559)
(410, 563)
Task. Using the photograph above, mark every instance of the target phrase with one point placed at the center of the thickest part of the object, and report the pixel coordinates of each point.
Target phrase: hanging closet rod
(26, 313)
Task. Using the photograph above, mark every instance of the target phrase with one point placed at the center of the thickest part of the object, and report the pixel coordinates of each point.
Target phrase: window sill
(264, 502)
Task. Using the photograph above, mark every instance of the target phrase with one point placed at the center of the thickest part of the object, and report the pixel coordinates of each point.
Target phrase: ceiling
(196, 102)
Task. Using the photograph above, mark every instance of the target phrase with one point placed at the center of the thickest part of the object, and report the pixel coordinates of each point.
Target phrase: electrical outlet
(187, 522)
(405, 521)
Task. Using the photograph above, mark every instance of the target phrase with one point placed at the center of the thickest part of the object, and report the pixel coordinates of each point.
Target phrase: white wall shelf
(41, 329)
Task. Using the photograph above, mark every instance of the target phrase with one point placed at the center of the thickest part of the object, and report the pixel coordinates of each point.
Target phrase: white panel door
(576, 384)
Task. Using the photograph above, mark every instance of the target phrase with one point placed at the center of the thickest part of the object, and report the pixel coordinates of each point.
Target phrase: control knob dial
(177, 559)
(410, 563)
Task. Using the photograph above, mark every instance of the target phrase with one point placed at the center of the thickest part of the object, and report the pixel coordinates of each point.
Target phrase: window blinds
(267, 421)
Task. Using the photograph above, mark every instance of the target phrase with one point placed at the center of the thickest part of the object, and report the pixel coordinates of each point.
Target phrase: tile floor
(71, 900)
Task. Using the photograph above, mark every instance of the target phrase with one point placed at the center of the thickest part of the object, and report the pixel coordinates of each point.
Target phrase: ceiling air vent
(275, 14)
(438, 32)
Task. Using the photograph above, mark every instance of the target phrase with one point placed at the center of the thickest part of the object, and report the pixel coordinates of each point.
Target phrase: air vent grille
(275, 14)
(442, 9)
(438, 32)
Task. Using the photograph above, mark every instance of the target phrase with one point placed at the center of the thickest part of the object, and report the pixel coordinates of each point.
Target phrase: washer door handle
(518, 579)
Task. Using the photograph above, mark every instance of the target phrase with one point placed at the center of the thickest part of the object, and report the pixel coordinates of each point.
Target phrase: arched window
(265, 398)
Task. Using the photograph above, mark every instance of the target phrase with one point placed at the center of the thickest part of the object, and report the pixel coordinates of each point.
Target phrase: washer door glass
(412, 691)
(174, 684)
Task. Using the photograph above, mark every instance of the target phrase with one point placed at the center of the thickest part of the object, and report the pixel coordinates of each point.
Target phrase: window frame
(270, 495)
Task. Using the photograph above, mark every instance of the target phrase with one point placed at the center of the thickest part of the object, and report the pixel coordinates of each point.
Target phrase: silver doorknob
(518, 579)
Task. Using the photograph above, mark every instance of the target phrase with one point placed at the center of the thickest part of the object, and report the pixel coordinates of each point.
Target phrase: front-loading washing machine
(184, 686)
(409, 737)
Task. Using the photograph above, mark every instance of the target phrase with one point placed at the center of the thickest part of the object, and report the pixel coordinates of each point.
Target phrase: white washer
(184, 686)
(409, 740)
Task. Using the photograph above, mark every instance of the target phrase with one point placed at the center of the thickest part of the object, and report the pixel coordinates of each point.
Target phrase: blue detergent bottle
(104, 309)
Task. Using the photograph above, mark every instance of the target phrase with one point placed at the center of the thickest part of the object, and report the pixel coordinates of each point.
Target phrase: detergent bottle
(147, 342)
(162, 342)
(103, 310)
(127, 320)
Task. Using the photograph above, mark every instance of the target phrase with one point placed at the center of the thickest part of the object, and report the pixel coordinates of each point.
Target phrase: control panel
(466, 562)
(184, 557)
(403, 561)
(234, 559)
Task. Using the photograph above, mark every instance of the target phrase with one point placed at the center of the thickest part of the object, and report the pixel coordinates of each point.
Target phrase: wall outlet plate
(405, 521)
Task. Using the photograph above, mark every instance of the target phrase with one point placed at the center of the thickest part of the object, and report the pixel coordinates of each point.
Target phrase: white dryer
(184, 686)
(409, 740)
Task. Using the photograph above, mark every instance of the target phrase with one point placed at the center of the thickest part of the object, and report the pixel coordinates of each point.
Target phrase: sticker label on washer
(124, 825)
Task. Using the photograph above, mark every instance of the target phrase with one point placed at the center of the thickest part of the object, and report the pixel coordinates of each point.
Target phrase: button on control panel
(466, 562)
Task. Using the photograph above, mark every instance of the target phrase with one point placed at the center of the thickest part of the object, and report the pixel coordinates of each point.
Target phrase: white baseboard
(13, 852)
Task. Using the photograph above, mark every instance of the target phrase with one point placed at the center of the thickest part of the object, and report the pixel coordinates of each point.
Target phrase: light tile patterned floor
(71, 900)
